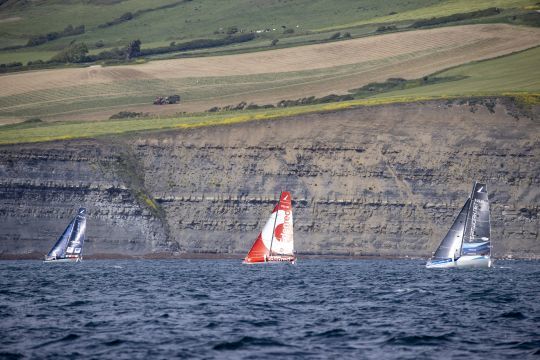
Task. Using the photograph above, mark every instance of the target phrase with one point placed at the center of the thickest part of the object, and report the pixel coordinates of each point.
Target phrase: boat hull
(271, 260)
(468, 261)
(474, 261)
(65, 260)
(440, 264)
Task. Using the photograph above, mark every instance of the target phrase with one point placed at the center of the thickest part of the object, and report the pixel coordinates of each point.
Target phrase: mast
(489, 224)
(274, 227)
(467, 217)
(76, 240)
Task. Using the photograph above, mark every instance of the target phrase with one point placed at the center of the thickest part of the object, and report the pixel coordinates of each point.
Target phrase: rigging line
(467, 218)
(274, 227)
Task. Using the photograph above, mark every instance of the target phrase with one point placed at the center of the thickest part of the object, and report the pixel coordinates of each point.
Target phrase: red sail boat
(275, 243)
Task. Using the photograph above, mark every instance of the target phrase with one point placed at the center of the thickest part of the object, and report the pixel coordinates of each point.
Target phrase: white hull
(473, 261)
(62, 260)
(440, 264)
(468, 261)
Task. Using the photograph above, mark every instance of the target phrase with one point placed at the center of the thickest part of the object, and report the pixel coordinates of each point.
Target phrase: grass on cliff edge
(41, 132)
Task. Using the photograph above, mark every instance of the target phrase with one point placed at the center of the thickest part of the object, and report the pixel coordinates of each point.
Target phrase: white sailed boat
(467, 243)
(69, 247)
(275, 243)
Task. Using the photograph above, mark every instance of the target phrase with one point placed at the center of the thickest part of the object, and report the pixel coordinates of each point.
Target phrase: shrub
(126, 115)
(133, 49)
(123, 18)
(457, 17)
(42, 39)
(232, 30)
(274, 42)
(35, 62)
(11, 64)
(385, 28)
(199, 44)
(74, 53)
(335, 36)
(33, 121)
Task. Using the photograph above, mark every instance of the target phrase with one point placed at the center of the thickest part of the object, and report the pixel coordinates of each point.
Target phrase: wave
(67, 338)
(114, 342)
(420, 340)
(248, 341)
(332, 333)
(513, 315)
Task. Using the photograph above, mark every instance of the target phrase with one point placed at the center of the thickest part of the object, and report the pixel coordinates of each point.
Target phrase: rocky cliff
(383, 180)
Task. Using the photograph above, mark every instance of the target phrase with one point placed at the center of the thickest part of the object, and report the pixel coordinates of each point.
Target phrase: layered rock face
(384, 180)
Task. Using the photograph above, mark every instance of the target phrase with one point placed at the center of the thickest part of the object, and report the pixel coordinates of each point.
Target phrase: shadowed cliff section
(382, 180)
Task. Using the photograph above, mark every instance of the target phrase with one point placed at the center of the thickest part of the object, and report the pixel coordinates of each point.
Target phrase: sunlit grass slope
(442, 8)
(19, 133)
(514, 73)
(188, 20)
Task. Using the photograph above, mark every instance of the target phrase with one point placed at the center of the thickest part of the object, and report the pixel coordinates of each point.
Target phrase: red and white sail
(275, 242)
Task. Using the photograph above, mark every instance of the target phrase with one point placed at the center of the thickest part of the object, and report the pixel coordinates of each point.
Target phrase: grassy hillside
(518, 73)
(438, 9)
(515, 73)
(69, 98)
(159, 22)
(262, 78)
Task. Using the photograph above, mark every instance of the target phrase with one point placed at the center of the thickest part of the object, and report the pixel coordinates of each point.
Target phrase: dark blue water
(383, 309)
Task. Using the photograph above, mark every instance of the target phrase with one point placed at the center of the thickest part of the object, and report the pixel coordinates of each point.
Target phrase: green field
(439, 9)
(517, 73)
(514, 75)
(311, 21)
(203, 18)
(119, 94)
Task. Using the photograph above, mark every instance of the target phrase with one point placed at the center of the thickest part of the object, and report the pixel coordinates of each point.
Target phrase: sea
(221, 309)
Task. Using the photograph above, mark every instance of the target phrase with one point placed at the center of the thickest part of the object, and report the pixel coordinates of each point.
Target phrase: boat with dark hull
(275, 243)
(468, 242)
(69, 246)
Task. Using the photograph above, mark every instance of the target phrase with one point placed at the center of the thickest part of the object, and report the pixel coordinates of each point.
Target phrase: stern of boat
(474, 261)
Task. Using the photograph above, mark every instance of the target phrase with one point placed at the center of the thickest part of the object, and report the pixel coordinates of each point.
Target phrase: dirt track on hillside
(408, 54)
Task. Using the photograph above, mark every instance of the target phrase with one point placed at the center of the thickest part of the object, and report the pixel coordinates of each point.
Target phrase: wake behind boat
(69, 247)
(275, 243)
(467, 243)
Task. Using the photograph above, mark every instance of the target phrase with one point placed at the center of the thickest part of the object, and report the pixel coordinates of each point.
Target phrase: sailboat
(275, 243)
(69, 246)
(467, 243)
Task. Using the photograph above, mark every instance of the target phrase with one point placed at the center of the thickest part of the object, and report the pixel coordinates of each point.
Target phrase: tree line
(78, 52)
